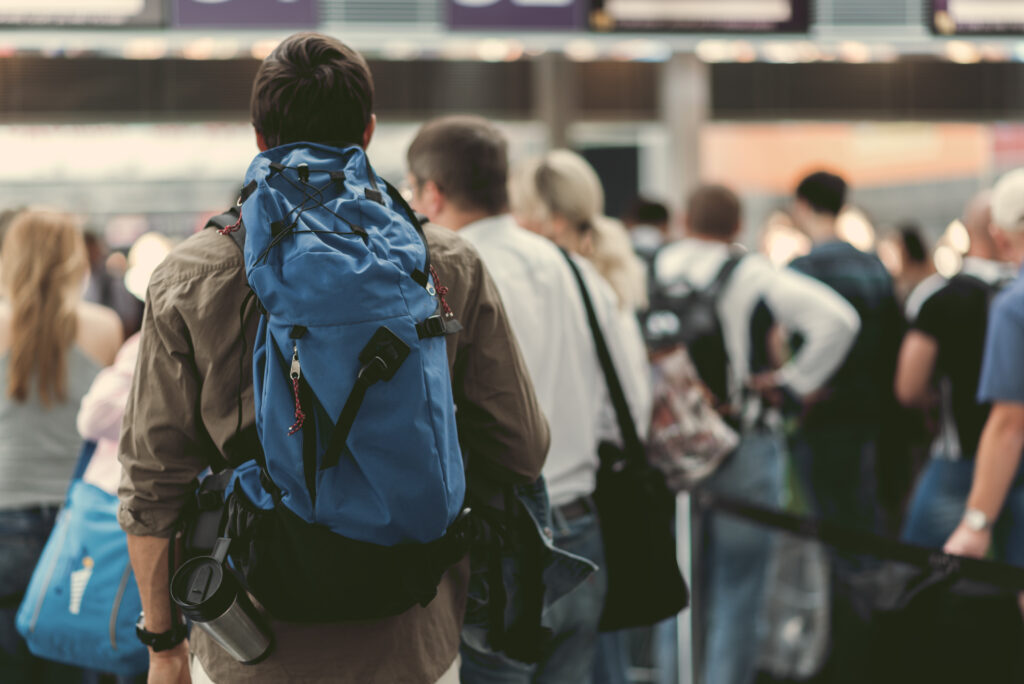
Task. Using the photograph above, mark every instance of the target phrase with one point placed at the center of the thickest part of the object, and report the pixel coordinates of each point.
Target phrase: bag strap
(84, 457)
(631, 440)
(724, 274)
(230, 223)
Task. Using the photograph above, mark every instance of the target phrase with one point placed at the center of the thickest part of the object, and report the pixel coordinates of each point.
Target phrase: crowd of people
(821, 366)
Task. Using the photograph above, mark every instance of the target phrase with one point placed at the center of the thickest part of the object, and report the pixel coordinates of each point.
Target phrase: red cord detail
(300, 416)
(441, 292)
(233, 228)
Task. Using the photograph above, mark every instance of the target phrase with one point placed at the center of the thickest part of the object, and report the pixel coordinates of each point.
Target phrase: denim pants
(938, 504)
(23, 533)
(573, 619)
(734, 557)
(836, 466)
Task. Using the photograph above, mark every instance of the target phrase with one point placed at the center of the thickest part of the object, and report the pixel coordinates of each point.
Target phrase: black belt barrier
(990, 572)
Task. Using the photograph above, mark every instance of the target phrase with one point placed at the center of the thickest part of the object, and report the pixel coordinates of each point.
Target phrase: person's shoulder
(451, 252)
(203, 253)
(100, 332)
(930, 291)
(1010, 302)
(101, 317)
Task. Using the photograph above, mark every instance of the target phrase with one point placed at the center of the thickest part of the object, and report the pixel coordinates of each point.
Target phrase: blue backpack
(347, 508)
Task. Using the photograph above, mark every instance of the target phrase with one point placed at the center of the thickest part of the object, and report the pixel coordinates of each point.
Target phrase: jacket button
(548, 533)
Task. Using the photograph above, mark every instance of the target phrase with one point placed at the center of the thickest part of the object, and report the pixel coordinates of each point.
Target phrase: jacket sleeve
(501, 427)
(159, 448)
(828, 323)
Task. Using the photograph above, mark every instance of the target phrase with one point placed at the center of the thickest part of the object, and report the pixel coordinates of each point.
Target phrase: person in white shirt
(560, 196)
(734, 555)
(458, 170)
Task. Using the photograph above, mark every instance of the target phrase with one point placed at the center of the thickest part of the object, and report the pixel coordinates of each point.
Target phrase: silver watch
(976, 520)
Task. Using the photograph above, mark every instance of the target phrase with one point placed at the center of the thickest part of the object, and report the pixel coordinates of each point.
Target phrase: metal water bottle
(211, 597)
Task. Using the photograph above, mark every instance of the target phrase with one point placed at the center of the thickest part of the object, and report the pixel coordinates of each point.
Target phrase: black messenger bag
(637, 513)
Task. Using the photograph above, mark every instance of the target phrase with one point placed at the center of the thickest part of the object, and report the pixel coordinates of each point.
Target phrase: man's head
(1008, 216)
(646, 212)
(458, 169)
(978, 221)
(818, 200)
(313, 88)
(713, 212)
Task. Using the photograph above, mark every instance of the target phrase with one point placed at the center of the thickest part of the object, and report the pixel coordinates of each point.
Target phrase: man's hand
(170, 667)
(767, 385)
(967, 542)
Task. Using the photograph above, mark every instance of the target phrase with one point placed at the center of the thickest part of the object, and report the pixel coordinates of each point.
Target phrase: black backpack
(682, 314)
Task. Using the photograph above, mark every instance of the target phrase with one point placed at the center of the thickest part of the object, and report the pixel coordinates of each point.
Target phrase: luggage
(82, 603)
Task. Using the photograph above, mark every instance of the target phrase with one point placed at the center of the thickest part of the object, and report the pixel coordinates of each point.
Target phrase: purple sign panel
(517, 14)
(246, 13)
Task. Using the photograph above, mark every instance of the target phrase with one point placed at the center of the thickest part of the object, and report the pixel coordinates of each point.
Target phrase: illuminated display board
(951, 17)
(741, 16)
(81, 12)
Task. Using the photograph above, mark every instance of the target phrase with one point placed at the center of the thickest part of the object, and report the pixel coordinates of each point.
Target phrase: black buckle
(433, 326)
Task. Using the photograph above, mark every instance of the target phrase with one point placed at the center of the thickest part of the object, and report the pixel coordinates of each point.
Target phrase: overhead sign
(517, 14)
(977, 16)
(246, 13)
(747, 16)
(82, 12)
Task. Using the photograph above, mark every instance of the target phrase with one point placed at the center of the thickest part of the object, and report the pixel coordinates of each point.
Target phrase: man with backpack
(752, 297)
(458, 168)
(321, 227)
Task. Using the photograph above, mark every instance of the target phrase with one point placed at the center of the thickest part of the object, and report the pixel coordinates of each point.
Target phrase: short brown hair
(467, 158)
(312, 88)
(713, 211)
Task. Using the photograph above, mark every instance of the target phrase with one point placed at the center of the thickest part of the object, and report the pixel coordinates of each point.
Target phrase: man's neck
(821, 229)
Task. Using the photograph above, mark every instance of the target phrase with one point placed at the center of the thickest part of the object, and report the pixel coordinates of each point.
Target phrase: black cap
(203, 590)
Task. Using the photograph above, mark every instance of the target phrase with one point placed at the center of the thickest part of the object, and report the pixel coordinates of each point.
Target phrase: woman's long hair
(42, 267)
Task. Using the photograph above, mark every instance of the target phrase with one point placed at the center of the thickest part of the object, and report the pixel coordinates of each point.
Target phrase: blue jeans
(734, 561)
(573, 619)
(23, 533)
(938, 504)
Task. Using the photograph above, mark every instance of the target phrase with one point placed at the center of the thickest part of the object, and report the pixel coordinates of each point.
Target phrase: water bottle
(213, 599)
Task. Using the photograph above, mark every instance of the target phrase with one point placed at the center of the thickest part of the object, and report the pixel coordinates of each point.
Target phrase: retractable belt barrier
(990, 572)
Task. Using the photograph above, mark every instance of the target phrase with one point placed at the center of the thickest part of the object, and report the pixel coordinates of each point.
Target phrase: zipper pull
(296, 371)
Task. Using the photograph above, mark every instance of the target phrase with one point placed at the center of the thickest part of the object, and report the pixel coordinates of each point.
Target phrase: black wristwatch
(163, 641)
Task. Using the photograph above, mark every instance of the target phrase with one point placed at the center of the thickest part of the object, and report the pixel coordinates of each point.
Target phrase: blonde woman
(51, 347)
(560, 196)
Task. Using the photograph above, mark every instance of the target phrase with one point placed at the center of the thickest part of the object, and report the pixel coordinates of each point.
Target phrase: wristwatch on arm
(160, 641)
(976, 520)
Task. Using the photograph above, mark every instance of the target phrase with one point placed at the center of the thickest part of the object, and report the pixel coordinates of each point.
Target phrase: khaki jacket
(184, 407)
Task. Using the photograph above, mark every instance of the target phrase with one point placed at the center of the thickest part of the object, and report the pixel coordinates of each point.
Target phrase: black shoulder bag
(637, 512)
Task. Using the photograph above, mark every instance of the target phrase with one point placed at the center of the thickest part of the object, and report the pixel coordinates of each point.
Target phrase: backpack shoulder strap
(230, 223)
(724, 274)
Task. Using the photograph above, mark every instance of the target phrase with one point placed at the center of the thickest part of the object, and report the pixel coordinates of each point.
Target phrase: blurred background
(136, 111)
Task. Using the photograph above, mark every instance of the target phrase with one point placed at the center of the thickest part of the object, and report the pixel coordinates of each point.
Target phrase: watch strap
(160, 641)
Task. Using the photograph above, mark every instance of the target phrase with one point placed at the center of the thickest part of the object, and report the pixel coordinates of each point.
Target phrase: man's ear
(1004, 248)
(368, 133)
(432, 199)
(261, 143)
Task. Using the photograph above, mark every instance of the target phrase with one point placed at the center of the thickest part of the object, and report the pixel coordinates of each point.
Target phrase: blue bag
(346, 508)
(82, 603)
